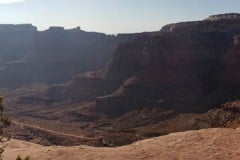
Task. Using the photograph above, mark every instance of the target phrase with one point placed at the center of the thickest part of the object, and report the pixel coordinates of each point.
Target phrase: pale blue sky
(111, 16)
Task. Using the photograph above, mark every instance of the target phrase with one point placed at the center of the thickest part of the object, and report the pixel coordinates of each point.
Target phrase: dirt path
(54, 132)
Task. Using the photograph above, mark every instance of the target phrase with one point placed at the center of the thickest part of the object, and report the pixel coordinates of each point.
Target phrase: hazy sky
(111, 16)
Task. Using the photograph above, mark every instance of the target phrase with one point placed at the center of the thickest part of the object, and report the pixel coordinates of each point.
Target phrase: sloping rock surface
(205, 144)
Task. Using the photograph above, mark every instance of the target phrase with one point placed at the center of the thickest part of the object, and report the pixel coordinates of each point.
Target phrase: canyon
(72, 87)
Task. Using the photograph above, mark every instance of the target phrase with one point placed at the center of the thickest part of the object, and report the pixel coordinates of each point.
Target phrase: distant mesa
(60, 29)
(77, 29)
(18, 27)
(56, 28)
(52, 56)
(31, 28)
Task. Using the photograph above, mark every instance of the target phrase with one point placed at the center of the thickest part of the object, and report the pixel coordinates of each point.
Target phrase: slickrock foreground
(208, 144)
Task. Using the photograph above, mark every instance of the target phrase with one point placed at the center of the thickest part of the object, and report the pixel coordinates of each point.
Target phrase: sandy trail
(52, 131)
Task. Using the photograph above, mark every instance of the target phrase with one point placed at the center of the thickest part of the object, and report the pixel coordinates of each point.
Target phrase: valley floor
(207, 144)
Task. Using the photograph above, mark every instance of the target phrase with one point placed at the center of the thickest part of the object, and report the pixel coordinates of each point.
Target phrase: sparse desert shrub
(20, 158)
(27, 158)
(4, 122)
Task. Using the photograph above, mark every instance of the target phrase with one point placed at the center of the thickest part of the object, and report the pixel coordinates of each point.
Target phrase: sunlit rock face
(215, 23)
(236, 40)
(221, 17)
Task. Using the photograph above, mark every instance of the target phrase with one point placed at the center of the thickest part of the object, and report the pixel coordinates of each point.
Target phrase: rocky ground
(77, 124)
(207, 144)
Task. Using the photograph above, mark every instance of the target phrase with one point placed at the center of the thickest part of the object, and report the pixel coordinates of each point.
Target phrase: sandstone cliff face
(89, 85)
(15, 41)
(229, 76)
(188, 67)
(81, 88)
